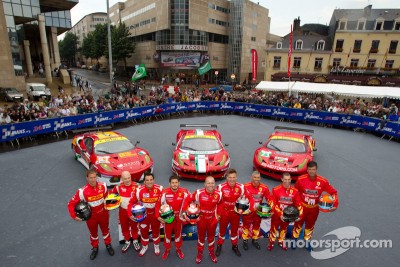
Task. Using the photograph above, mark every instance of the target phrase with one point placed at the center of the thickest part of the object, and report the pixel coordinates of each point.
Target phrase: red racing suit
(175, 200)
(310, 192)
(148, 197)
(129, 228)
(228, 215)
(94, 196)
(209, 214)
(257, 194)
(281, 198)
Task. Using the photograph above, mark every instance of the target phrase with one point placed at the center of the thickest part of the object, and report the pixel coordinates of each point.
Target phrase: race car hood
(129, 160)
(201, 160)
(282, 158)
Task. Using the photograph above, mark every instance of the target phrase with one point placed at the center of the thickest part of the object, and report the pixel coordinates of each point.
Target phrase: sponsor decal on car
(102, 141)
(102, 159)
(127, 154)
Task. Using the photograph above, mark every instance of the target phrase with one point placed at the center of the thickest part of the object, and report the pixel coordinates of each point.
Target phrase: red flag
(290, 50)
(254, 64)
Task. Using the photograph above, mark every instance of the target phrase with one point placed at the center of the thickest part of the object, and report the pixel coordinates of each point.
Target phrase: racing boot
(245, 244)
(256, 244)
(165, 254)
(199, 256)
(270, 246)
(213, 257)
(218, 251)
(143, 250)
(180, 253)
(156, 249)
(126, 246)
(94, 252)
(236, 250)
(110, 250)
(282, 245)
(136, 245)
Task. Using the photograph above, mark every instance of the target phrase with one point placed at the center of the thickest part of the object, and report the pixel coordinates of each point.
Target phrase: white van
(36, 91)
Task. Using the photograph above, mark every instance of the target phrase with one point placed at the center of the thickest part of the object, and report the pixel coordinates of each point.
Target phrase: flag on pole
(139, 73)
(290, 50)
(205, 68)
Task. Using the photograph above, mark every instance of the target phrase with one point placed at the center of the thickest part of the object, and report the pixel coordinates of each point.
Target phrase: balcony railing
(338, 49)
(374, 50)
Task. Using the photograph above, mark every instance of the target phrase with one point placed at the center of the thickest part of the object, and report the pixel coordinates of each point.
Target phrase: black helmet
(83, 211)
(291, 214)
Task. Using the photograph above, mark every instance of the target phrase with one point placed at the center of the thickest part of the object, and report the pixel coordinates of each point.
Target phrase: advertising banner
(180, 59)
(254, 64)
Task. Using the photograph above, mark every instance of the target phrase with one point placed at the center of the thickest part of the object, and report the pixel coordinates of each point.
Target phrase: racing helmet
(113, 201)
(264, 210)
(242, 205)
(326, 203)
(193, 212)
(167, 213)
(138, 212)
(82, 210)
(291, 213)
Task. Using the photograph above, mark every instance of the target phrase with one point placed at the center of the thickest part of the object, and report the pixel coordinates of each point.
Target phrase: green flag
(205, 68)
(139, 73)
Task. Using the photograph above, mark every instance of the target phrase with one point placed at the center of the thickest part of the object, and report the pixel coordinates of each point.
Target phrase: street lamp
(110, 65)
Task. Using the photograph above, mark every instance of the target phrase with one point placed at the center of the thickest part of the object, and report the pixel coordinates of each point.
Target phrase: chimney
(367, 11)
(296, 24)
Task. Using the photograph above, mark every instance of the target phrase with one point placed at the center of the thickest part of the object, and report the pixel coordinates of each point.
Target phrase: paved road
(37, 182)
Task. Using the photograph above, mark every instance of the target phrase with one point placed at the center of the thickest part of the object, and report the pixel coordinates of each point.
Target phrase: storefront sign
(183, 47)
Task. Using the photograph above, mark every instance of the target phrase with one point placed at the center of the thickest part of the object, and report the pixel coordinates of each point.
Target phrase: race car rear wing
(198, 126)
(294, 129)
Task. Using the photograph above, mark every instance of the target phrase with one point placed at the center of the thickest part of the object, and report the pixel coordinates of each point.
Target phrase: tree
(100, 38)
(68, 47)
(122, 45)
(88, 46)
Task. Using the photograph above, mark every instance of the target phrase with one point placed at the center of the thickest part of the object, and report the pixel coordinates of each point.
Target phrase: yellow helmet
(113, 201)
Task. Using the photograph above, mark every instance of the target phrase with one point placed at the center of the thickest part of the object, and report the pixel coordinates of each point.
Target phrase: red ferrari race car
(199, 153)
(110, 153)
(286, 150)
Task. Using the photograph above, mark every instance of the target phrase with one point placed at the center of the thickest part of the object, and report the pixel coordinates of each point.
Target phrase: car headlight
(105, 166)
(222, 162)
(147, 158)
(259, 158)
(302, 165)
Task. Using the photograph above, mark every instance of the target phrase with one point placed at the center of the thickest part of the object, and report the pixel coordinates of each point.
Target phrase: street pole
(110, 65)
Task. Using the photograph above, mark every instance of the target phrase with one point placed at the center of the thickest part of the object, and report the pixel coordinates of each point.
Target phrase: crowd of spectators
(128, 95)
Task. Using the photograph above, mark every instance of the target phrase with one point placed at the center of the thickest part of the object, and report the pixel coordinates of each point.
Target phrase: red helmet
(193, 212)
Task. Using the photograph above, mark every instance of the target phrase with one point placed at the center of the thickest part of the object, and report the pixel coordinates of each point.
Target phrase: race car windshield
(113, 147)
(289, 146)
(200, 144)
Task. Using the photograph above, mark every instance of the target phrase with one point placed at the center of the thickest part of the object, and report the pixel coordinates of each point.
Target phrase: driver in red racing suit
(175, 197)
(257, 192)
(282, 196)
(310, 187)
(231, 191)
(94, 193)
(209, 200)
(129, 228)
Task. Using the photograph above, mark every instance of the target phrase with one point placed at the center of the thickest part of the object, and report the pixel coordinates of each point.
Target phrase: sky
(282, 12)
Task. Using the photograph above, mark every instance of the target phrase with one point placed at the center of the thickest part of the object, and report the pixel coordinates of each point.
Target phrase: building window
(374, 46)
(357, 46)
(339, 45)
(389, 64)
(354, 63)
(379, 25)
(318, 63)
(397, 26)
(393, 47)
(299, 45)
(361, 25)
(279, 45)
(371, 63)
(320, 45)
(336, 62)
(296, 62)
(277, 62)
(342, 25)
(253, 39)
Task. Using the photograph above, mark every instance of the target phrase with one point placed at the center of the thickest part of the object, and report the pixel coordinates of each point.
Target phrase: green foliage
(88, 46)
(68, 47)
(121, 42)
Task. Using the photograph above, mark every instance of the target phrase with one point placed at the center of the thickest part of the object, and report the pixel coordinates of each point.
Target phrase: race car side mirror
(260, 142)
(173, 144)
(314, 149)
(137, 142)
(226, 144)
